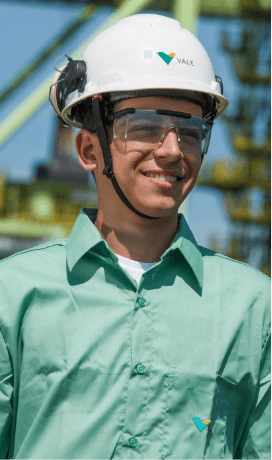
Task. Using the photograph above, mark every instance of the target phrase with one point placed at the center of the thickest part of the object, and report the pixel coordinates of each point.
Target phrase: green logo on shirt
(201, 425)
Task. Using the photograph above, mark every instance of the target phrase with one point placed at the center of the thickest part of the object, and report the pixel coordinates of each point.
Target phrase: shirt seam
(222, 256)
(36, 248)
(164, 417)
(267, 337)
(122, 428)
(4, 340)
(51, 271)
(147, 398)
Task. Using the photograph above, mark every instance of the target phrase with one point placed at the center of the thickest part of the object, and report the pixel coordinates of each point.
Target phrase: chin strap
(100, 123)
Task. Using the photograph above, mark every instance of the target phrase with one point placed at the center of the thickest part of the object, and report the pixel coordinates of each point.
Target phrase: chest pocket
(220, 436)
(207, 397)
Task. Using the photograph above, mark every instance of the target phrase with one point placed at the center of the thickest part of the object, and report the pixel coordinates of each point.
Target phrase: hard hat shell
(142, 52)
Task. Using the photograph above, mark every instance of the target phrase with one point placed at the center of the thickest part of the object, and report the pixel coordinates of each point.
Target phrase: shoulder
(41, 247)
(236, 279)
(233, 269)
(244, 291)
(25, 268)
(26, 275)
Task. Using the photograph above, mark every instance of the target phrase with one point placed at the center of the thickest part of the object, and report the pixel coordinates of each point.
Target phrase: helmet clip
(219, 80)
(73, 77)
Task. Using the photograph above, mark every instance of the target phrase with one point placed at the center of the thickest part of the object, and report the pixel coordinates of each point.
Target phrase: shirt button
(140, 368)
(133, 442)
(142, 302)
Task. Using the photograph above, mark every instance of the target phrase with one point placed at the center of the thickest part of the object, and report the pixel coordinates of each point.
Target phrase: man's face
(153, 196)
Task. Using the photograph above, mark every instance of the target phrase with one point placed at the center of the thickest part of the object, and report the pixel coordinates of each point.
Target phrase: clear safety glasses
(147, 129)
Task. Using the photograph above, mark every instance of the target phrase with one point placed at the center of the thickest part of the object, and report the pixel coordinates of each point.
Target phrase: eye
(145, 127)
(191, 137)
(191, 133)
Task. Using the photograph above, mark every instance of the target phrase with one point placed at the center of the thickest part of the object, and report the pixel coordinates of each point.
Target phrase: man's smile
(164, 181)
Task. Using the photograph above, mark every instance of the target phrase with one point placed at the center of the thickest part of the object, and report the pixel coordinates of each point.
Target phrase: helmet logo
(166, 57)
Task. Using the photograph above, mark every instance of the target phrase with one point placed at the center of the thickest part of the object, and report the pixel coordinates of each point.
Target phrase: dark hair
(82, 113)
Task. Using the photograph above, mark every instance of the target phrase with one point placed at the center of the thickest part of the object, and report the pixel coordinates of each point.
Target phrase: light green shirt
(93, 365)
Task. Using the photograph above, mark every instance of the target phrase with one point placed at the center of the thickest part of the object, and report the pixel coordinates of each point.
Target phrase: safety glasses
(147, 129)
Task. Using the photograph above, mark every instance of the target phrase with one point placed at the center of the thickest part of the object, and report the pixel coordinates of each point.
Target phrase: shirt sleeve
(6, 392)
(256, 439)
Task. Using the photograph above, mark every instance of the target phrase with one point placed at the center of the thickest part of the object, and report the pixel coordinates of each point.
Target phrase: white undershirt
(134, 268)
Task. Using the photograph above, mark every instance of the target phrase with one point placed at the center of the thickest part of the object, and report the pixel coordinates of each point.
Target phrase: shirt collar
(85, 236)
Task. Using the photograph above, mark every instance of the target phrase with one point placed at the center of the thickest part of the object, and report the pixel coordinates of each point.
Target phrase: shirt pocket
(208, 397)
(220, 436)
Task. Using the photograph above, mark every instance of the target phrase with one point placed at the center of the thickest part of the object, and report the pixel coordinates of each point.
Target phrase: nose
(169, 150)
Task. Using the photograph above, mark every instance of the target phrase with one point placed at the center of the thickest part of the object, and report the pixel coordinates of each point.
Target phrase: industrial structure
(246, 181)
(48, 207)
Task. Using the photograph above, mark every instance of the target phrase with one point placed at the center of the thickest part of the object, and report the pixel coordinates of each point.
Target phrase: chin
(159, 210)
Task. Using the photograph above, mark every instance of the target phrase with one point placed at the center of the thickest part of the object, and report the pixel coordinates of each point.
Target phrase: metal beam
(187, 12)
(230, 8)
(26, 109)
(84, 15)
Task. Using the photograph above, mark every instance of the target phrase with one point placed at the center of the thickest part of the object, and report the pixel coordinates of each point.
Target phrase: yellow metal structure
(239, 210)
(242, 127)
(237, 174)
(32, 214)
(250, 132)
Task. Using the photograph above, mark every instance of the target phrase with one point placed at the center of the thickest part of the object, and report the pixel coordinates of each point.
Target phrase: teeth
(162, 177)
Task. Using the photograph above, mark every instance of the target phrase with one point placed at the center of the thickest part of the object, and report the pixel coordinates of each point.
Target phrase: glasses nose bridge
(170, 126)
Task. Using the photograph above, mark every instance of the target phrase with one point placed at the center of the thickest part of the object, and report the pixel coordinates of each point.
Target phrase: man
(128, 340)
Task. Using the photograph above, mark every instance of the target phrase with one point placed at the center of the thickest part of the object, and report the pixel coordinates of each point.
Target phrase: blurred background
(42, 186)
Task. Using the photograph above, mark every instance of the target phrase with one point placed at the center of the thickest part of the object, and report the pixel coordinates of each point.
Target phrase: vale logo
(201, 425)
(166, 57)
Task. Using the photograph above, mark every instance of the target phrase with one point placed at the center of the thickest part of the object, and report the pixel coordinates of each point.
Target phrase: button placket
(133, 442)
(142, 302)
(140, 368)
(138, 387)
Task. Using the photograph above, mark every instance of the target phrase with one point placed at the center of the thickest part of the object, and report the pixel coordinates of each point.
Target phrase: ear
(87, 152)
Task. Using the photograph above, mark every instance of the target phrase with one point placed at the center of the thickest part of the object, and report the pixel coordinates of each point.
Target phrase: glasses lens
(148, 130)
(193, 134)
(139, 129)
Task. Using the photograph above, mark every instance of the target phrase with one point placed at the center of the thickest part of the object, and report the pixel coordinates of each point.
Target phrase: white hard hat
(144, 53)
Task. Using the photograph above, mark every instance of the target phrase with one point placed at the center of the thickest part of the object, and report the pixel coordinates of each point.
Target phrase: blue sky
(26, 29)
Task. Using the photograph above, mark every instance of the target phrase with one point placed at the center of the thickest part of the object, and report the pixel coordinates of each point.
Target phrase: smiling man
(128, 340)
(154, 178)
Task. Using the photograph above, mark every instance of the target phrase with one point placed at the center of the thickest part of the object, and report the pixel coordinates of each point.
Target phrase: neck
(135, 237)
